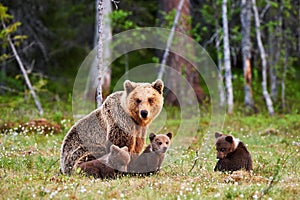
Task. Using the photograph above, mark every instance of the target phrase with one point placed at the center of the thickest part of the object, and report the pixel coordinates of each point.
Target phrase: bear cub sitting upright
(232, 154)
(152, 157)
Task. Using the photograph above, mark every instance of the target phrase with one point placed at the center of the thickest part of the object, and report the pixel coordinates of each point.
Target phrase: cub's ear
(218, 134)
(129, 86)
(158, 85)
(229, 139)
(114, 148)
(170, 135)
(125, 148)
(152, 136)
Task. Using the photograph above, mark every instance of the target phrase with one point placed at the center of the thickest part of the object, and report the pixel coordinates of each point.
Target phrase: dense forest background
(53, 37)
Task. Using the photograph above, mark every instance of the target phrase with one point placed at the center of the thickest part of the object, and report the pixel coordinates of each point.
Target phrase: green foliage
(4, 16)
(120, 20)
(8, 30)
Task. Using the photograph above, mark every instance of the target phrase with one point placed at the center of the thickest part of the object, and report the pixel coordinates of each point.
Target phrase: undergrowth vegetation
(30, 148)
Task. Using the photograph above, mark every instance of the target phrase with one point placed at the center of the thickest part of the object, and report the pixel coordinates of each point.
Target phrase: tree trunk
(246, 51)
(285, 65)
(273, 62)
(227, 63)
(220, 67)
(3, 71)
(92, 82)
(179, 64)
(263, 59)
(275, 43)
(27, 80)
(298, 29)
(100, 62)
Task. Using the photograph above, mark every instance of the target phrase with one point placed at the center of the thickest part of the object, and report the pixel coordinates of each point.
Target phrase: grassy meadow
(30, 148)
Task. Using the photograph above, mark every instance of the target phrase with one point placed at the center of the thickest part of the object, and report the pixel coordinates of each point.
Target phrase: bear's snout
(165, 149)
(144, 114)
(220, 155)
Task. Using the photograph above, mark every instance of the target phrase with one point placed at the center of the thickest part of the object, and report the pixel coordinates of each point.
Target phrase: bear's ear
(170, 135)
(114, 148)
(129, 86)
(229, 139)
(125, 148)
(158, 85)
(152, 136)
(218, 134)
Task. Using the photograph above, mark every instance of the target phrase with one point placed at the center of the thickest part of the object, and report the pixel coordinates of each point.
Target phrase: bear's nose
(144, 114)
(165, 149)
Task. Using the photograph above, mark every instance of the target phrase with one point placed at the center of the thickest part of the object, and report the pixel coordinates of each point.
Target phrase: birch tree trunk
(245, 16)
(92, 82)
(263, 59)
(227, 63)
(99, 97)
(27, 80)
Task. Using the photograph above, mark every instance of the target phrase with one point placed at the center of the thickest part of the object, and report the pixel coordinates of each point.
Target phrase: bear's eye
(160, 143)
(150, 100)
(222, 149)
(138, 101)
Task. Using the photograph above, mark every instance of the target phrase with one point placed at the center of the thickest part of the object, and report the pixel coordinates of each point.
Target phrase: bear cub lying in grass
(152, 157)
(232, 154)
(108, 166)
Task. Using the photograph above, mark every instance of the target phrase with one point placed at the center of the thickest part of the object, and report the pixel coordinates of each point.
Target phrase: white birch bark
(92, 82)
(170, 39)
(227, 63)
(266, 95)
(27, 80)
(99, 97)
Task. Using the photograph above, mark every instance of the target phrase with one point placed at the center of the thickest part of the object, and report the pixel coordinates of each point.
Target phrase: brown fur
(108, 166)
(121, 120)
(232, 154)
(152, 157)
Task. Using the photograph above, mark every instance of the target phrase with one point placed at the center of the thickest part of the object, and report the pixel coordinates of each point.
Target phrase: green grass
(29, 164)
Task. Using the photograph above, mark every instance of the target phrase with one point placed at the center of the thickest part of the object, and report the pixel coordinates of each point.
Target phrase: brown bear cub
(232, 154)
(109, 165)
(152, 157)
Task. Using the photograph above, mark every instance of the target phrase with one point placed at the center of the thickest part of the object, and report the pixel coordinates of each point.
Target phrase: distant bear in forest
(108, 166)
(232, 154)
(121, 120)
(152, 157)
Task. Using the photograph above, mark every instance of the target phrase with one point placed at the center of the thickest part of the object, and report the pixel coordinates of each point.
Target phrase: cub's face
(144, 101)
(119, 158)
(224, 144)
(160, 143)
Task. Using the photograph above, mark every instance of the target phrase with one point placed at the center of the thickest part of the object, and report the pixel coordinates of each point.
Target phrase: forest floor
(29, 164)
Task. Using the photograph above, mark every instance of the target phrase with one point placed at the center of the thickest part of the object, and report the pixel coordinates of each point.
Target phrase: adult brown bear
(122, 120)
